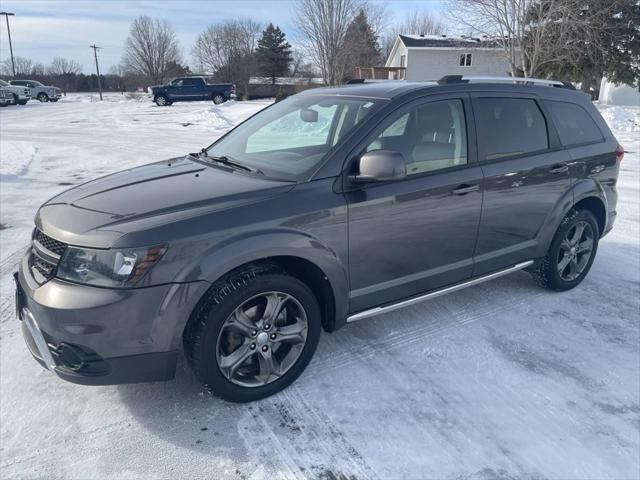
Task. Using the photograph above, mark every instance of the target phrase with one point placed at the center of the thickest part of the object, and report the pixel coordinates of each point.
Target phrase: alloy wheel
(262, 339)
(575, 251)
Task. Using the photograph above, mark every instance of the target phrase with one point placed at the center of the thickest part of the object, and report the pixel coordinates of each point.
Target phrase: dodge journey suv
(331, 206)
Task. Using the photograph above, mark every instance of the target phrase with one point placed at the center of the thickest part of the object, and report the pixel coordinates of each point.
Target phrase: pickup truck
(21, 95)
(189, 89)
(44, 93)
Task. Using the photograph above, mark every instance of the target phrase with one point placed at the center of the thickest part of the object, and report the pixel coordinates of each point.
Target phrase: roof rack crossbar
(448, 79)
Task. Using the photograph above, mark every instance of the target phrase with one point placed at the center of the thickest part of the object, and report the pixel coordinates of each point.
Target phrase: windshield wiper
(229, 162)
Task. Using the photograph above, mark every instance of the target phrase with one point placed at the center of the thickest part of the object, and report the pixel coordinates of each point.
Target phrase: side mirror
(308, 115)
(380, 166)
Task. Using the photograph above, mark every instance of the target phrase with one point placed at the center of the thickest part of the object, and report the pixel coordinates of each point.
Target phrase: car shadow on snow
(185, 413)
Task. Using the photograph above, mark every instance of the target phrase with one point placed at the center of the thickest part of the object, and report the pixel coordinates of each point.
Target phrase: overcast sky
(43, 29)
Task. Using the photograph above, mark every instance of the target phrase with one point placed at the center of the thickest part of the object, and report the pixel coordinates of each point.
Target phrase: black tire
(54, 100)
(218, 99)
(548, 273)
(43, 97)
(203, 332)
(22, 102)
(4, 105)
(162, 101)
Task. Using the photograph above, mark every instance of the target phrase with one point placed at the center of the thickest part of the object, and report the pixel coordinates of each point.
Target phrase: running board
(453, 288)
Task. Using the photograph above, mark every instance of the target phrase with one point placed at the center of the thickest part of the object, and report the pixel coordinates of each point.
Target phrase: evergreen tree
(360, 45)
(274, 53)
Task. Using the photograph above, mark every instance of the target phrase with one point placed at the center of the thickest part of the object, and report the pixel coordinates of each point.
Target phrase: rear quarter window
(574, 124)
(510, 126)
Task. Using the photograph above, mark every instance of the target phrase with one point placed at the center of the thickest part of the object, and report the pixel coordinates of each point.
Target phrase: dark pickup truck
(189, 89)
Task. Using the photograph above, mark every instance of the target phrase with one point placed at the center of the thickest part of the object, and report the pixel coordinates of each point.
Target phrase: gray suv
(331, 206)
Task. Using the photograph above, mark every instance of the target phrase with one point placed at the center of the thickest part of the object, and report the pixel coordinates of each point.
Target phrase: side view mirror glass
(380, 166)
(308, 115)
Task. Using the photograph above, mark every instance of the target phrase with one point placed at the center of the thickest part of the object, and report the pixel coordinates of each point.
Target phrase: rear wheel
(572, 252)
(254, 334)
(22, 102)
(218, 99)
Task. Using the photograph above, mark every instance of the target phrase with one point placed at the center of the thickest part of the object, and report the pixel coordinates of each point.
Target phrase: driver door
(418, 234)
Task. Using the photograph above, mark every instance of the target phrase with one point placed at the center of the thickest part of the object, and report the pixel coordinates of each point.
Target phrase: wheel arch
(585, 193)
(301, 256)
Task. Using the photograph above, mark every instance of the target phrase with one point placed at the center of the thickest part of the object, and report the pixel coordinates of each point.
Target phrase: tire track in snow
(304, 440)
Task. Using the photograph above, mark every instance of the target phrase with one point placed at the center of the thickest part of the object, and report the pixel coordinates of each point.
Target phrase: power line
(95, 54)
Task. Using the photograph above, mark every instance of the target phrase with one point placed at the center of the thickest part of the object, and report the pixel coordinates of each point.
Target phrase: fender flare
(223, 257)
(581, 190)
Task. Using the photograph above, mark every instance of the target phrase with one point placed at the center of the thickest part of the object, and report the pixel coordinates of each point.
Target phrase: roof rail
(450, 79)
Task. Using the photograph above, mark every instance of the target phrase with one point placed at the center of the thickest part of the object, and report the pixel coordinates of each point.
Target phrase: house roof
(444, 41)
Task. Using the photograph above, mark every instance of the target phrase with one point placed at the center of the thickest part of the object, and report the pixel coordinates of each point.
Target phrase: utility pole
(95, 54)
(6, 16)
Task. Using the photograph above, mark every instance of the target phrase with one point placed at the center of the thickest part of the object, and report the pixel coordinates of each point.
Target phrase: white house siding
(433, 64)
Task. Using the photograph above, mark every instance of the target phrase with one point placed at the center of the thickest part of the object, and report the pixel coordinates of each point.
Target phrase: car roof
(393, 89)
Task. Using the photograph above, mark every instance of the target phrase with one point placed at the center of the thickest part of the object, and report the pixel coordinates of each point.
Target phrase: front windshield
(290, 138)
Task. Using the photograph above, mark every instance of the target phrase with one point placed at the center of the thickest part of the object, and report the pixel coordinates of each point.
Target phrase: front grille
(45, 256)
(54, 246)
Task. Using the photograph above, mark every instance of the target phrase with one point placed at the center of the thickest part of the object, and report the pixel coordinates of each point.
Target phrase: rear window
(574, 124)
(510, 126)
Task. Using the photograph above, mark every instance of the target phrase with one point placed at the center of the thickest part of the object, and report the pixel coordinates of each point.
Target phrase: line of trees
(579, 40)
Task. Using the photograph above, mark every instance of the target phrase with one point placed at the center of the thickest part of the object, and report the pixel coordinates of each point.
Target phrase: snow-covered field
(502, 380)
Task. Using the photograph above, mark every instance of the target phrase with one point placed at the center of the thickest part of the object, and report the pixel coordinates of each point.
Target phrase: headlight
(108, 268)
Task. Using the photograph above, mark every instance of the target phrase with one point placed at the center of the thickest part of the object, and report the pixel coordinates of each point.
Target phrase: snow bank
(15, 157)
(621, 119)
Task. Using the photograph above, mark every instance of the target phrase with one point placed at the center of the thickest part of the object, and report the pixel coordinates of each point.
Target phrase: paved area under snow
(502, 380)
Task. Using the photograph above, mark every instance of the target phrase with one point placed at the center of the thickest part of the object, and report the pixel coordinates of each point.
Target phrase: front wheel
(218, 99)
(254, 334)
(571, 253)
(162, 101)
(43, 97)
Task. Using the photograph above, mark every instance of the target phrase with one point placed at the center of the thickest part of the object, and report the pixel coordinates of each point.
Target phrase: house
(430, 57)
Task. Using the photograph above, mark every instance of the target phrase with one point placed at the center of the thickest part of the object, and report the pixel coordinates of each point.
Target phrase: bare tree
(151, 46)
(64, 69)
(323, 24)
(532, 33)
(24, 67)
(415, 22)
(226, 50)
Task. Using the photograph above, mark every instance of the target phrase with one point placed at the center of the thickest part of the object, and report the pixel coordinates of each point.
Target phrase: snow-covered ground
(502, 380)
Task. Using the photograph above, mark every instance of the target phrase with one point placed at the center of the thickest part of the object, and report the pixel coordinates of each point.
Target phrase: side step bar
(443, 291)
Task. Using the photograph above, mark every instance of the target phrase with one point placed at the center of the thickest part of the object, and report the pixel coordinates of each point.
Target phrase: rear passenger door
(526, 172)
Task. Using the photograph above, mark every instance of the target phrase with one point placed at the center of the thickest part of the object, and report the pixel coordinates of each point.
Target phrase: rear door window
(574, 124)
(510, 126)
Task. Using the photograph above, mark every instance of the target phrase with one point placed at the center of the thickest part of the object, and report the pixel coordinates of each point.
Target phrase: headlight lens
(108, 268)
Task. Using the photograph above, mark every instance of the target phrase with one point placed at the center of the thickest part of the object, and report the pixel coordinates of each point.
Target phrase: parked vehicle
(189, 89)
(331, 206)
(6, 98)
(39, 91)
(21, 95)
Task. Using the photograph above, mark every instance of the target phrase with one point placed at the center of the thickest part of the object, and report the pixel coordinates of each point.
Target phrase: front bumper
(101, 336)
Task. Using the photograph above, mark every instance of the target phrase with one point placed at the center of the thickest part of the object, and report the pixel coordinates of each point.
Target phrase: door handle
(560, 168)
(464, 189)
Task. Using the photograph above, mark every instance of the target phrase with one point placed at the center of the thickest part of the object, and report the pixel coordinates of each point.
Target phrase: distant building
(430, 57)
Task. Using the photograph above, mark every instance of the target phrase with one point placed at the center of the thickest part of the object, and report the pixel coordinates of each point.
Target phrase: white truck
(44, 93)
(20, 94)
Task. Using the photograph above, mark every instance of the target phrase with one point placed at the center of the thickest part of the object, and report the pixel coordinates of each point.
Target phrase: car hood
(97, 213)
